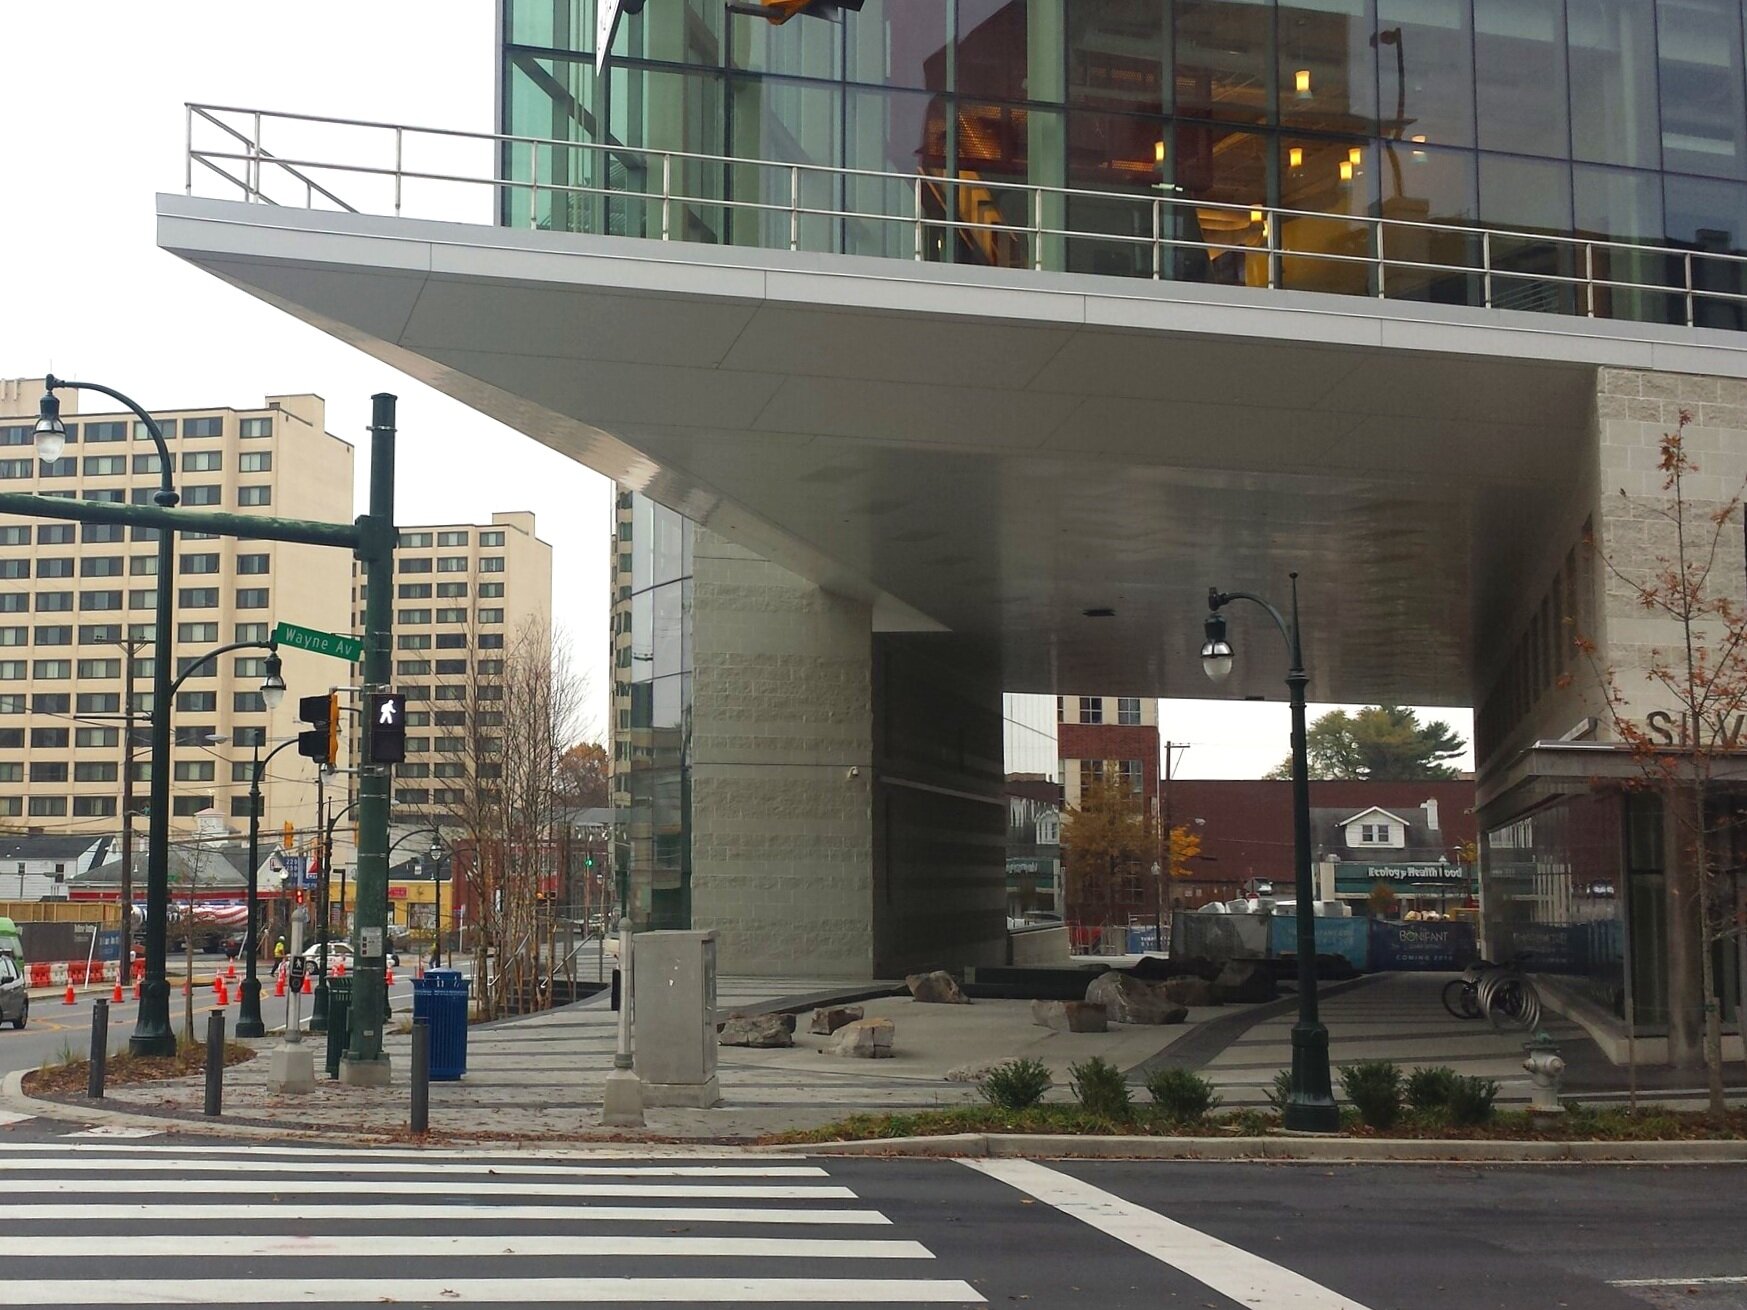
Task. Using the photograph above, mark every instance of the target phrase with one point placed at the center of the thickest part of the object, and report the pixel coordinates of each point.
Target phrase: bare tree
(500, 734)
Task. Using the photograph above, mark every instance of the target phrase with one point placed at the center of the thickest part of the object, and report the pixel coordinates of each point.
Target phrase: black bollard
(99, 1050)
(214, 1061)
(421, 1076)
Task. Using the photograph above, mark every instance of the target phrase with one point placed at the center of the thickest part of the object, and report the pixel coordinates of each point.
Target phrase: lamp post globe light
(1311, 1106)
(249, 1021)
(152, 1034)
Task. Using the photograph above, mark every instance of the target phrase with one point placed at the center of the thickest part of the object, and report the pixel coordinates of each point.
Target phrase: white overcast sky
(91, 125)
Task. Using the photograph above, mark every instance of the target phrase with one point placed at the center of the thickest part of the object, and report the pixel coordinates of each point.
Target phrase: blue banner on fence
(1142, 940)
(109, 944)
(1442, 947)
(1343, 937)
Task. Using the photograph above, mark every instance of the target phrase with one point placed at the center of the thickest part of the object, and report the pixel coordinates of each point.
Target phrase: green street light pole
(1311, 1106)
(249, 1021)
(364, 1064)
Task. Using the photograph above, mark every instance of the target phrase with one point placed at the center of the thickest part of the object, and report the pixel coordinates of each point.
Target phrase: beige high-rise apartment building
(463, 594)
(76, 604)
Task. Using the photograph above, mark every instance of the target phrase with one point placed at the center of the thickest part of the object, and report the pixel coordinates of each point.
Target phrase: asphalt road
(106, 1221)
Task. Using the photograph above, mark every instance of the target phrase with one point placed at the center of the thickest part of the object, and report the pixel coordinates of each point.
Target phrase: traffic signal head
(385, 726)
(290, 836)
(321, 742)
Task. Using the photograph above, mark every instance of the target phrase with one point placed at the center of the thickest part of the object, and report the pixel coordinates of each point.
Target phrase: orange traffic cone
(136, 991)
(339, 967)
(70, 998)
(230, 970)
(219, 992)
(388, 976)
(116, 998)
(217, 982)
(279, 985)
(307, 989)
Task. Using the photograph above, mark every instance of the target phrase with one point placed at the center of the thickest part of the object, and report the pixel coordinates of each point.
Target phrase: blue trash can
(440, 999)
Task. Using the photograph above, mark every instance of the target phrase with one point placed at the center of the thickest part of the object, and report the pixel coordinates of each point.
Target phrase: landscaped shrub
(1016, 1084)
(1471, 1100)
(1101, 1088)
(1182, 1094)
(1429, 1089)
(1281, 1091)
(1374, 1088)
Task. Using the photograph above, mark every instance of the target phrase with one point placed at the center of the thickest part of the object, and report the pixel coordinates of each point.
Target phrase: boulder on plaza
(827, 1019)
(1248, 981)
(1070, 1016)
(1189, 991)
(758, 1030)
(938, 987)
(866, 1039)
(1125, 999)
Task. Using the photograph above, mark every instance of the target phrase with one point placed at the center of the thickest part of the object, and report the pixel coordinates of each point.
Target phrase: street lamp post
(249, 1021)
(435, 856)
(1311, 1106)
(152, 1034)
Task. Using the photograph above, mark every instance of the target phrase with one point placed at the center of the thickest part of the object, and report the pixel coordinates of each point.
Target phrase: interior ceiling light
(1346, 170)
(1301, 83)
(1355, 156)
(1295, 157)
(1158, 152)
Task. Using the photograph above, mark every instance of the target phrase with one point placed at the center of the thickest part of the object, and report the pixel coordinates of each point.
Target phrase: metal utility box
(673, 1007)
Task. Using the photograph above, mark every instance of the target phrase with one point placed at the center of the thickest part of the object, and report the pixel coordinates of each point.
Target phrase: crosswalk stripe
(184, 1245)
(276, 1212)
(340, 1155)
(165, 1164)
(112, 1130)
(475, 1291)
(1229, 1270)
(312, 1182)
(13, 1117)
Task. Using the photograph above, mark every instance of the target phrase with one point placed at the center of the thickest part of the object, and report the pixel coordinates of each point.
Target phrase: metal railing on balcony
(358, 166)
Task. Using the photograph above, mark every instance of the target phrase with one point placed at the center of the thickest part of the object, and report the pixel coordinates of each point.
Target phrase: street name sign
(322, 643)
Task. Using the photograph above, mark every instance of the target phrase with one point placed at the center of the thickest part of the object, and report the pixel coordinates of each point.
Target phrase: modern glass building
(1619, 121)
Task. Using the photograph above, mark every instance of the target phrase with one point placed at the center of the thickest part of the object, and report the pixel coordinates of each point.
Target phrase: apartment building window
(255, 461)
(14, 568)
(11, 772)
(16, 434)
(202, 461)
(198, 598)
(201, 632)
(14, 602)
(251, 632)
(414, 540)
(249, 497)
(414, 616)
(450, 692)
(452, 616)
(491, 539)
(15, 536)
(203, 427)
(412, 770)
(52, 669)
(54, 534)
(143, 566)
(450, 745)
(206, 563)
(249, 736)
(54, 568)
(491, 616)
(1091, 709)
(252, 598)
(99, 669)
(451, 641)
(94, 634)
(450, 718)
(90, 737)
(11, 738)
(242, 770)
(142, 600)
(197, 702)
(64, 467)
(14, 636)
(102, 533)
(452, 538)
(491, 563)
(48, 739)
(49, 702)
(167, 426)
(44, 771)
(418, 743)
(415, 566)
(16, 468)
(93, 807)
(48, 807)
(202, 495)
(451, 666)
(411, 668)
(195, 666)
(490, 590)
(142, 668)
(194, 771)
(416, 693)
(415, 591)
(195, 735)
(413, 641)
(490, 641)
(250, 666)
(189, 806)
(109, 496)
(105, 466)
(95, 771)
(418, 718)
(54, 635)
(452, 590)
(491, 692)
(99, 600)
(98, 702)
(247, 702)
(252, 428)
(97, 433)
(252, 565)
(146, 462)
(451, 564)
(412, 796)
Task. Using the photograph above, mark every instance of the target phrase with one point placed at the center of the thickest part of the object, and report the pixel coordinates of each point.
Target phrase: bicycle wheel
(1513, 1004)
(1459, 999)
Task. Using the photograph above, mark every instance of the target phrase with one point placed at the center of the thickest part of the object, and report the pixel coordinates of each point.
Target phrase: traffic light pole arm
(311, 532)
(213, 654)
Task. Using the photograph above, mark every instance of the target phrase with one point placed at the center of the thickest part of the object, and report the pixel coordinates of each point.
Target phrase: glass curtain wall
(1164, 127)
(652, 688)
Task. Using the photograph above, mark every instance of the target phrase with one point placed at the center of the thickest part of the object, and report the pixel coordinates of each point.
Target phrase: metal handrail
(910, 194)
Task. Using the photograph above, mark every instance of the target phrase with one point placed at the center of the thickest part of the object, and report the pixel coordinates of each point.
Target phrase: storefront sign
(1357, 879)
(1428, 946)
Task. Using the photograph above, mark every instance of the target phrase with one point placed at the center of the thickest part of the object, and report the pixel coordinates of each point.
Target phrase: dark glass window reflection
(1224, 60)
(1614, 115)
(1519, 63)
(1704, 118)
(1327, 70)
(1425, 68)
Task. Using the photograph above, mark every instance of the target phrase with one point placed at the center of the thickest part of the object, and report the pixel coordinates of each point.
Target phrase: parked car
(339, 951)
(14, 993)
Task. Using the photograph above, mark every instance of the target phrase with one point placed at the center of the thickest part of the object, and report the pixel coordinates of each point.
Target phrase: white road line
(475, 1291)
(605, 1151)
(322, 1184)
(184, 1245)
(111, 1130)
(12, 1117)
(124, 1163)
(228, 1213)
(1718, 1280)
(1228, 1270)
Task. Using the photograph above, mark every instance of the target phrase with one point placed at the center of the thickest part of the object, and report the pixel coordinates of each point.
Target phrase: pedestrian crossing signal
(385, 713)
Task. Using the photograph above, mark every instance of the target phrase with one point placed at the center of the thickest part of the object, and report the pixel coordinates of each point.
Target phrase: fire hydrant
(1546, 1070)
